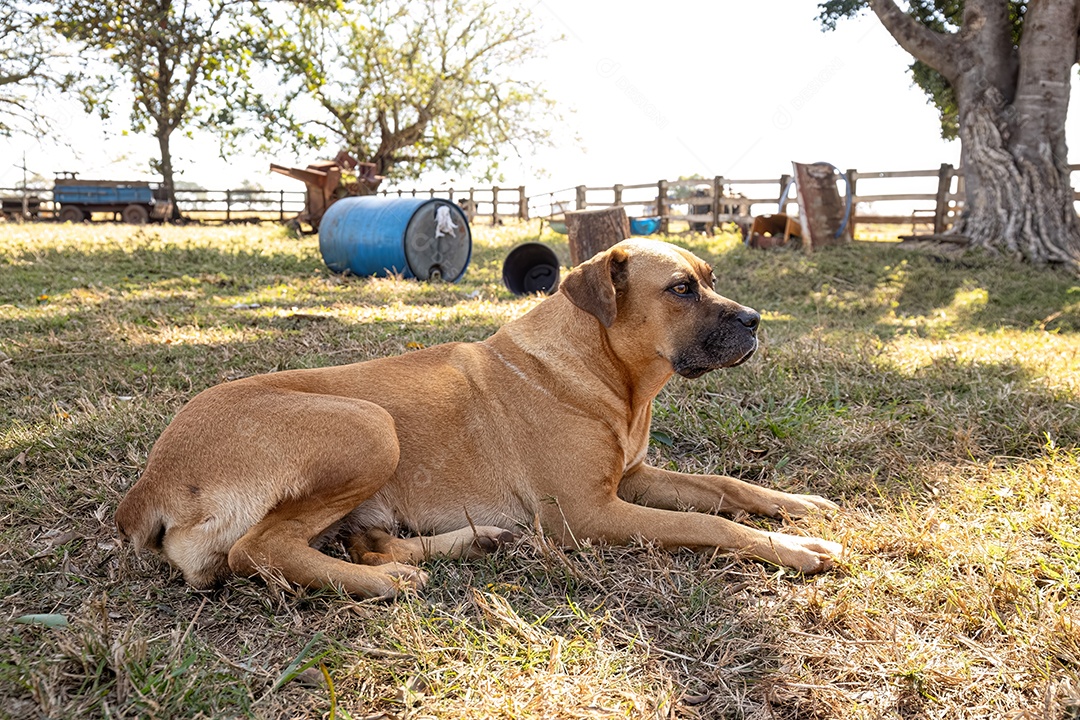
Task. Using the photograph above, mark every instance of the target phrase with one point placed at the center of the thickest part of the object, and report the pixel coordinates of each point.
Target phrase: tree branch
(938, 50)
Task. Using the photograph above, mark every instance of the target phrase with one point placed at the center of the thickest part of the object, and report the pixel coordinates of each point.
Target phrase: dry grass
(937, 400)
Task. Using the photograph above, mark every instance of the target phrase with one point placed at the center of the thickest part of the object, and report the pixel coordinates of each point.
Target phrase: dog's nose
(749, 318)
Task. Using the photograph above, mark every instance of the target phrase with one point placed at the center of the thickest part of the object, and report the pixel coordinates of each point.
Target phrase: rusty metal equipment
(824, 219)
(823, 215)
(769, 231)
(324, 184)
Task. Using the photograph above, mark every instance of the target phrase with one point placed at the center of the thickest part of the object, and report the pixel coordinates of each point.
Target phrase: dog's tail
(140, 520)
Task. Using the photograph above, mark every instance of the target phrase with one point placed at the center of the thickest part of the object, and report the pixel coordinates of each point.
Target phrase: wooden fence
(704, 204)
(240, 205)
(919, 198)
(494, 203)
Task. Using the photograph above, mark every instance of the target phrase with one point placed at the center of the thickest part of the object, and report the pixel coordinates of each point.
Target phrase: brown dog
(546, 420)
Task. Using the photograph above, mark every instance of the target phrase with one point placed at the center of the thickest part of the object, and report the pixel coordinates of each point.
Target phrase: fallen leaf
(46, 619)
(413, 691)
(661, 438)
(695, 699)
(56, 537)
(312, 677)
(302, 662)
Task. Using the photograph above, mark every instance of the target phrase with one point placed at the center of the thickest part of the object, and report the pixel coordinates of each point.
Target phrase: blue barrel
(427, 239)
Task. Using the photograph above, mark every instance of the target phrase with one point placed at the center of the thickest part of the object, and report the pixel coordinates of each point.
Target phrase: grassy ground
(938, 401)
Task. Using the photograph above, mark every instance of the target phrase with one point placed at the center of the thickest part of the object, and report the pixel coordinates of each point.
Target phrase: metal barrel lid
(438, 243)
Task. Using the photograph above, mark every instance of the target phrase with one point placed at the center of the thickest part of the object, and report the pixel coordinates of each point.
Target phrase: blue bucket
(644, 226)
(427, 239)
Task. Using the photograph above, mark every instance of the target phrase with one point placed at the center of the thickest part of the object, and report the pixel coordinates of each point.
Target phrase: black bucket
(531, 268)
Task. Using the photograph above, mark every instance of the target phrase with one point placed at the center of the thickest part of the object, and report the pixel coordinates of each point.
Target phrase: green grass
(937, 400)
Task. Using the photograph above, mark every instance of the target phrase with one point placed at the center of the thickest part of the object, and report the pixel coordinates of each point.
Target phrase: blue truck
(136, 203)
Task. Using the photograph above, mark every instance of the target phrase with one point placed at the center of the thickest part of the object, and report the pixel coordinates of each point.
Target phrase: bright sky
(652, 90)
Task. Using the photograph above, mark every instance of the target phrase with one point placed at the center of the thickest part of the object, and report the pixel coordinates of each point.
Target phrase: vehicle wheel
(72, 214)
(135, 215)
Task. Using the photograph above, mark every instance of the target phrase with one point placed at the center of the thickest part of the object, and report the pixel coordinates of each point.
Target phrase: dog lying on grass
(463, 443)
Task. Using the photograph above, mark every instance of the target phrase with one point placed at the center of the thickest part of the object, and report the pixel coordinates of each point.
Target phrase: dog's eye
(682, 289)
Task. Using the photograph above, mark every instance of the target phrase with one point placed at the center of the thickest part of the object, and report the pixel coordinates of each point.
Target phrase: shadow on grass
(141, 263)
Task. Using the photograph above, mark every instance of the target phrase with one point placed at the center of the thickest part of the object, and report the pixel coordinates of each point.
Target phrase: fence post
(579, 197)
(495, 206)
(523, 204)
(450, 194)
(228, 205)
(941, 200)
(852, 176)
(661, 205)
(717, 191)
(784, 180)
(281, 206)
(618, 195)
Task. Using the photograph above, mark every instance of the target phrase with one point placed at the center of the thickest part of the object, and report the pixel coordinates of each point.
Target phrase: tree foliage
(410, 85)
(184, 64)
(31, 64)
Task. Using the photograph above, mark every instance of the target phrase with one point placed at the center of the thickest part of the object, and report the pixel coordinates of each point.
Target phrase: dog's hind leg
(281, 543)
(376, 547)
(347, 450)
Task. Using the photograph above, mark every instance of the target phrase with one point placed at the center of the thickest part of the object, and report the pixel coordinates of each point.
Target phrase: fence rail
(494, 202)
(929, 198)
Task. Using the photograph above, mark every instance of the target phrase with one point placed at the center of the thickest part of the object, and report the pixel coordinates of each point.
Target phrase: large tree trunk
(1018, 196)
(1012, 104)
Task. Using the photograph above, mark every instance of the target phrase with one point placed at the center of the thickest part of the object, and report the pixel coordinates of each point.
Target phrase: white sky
(653, 90)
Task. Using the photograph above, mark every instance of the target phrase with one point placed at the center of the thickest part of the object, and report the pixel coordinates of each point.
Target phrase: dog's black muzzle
(728, 342)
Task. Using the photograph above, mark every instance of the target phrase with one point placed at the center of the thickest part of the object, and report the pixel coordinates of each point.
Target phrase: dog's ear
(595, 284)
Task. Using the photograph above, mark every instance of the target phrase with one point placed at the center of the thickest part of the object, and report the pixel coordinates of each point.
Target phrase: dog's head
(656, 300)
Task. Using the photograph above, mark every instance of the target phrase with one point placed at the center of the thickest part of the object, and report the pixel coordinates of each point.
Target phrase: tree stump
(593, 231)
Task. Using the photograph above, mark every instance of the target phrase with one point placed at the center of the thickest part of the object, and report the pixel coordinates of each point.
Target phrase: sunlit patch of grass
(1049, 359)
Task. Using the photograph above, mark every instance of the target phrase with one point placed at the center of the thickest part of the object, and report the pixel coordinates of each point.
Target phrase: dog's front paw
(808, 555)
(399, 578)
